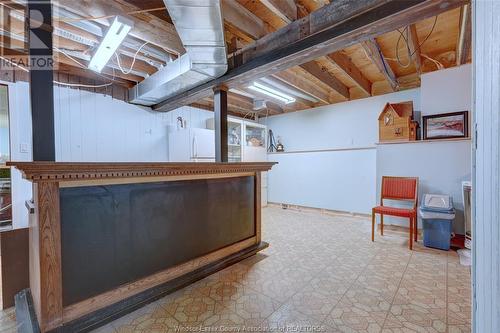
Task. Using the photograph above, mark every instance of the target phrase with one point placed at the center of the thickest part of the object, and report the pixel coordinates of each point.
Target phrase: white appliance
(191, 145)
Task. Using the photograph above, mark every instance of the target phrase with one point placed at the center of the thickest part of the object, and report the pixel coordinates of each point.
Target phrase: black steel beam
(41, 79)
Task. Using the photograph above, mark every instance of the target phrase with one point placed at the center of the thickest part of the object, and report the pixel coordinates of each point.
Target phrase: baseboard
(317, 210)
(397, 229)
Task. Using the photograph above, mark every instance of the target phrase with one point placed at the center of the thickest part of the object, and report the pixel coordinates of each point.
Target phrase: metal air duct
(200, 26)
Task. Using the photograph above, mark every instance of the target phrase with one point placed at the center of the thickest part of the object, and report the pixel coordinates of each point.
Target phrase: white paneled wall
(94, 127)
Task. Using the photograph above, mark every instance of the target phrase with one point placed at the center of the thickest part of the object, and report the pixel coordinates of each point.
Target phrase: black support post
(220, 111)
(41, 79)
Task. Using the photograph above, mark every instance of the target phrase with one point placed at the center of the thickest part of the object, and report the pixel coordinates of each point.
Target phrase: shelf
(420, 141)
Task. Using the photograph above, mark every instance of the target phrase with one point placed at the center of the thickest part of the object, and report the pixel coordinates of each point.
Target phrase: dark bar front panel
(115, 234)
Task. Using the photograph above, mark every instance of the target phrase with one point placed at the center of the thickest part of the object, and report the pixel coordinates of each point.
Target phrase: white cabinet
(191, 145)
(235, 138)
(255, 142)
(247, 142)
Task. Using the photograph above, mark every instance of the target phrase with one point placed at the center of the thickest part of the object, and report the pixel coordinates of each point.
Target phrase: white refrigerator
(191, 145)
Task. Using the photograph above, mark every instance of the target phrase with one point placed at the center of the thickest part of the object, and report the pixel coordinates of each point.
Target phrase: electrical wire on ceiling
(57, 82)
(437, 63)
(83, 66)
(133, 61)
(94, 18)
(406, 39)
(78, 85)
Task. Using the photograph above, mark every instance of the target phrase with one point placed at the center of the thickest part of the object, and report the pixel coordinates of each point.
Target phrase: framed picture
(446, 125)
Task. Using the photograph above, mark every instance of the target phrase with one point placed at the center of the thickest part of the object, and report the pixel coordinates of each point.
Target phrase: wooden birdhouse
(396, 123)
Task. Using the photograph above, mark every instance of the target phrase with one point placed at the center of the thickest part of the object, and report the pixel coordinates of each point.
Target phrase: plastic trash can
(437, 214)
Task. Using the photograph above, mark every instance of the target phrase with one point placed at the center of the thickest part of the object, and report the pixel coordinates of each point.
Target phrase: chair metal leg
(410, 243)
(381, 224)
(373, 226)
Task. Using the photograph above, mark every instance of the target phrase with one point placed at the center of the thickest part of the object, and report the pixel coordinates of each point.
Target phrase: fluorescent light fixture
(271, 92)
(117, 32)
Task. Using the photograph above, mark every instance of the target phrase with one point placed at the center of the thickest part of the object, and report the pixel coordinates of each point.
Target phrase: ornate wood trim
(61, 171)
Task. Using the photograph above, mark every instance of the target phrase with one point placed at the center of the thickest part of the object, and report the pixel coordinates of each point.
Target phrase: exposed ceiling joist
(348, 68)
(331, 28)
(208, 105)
(233, 16)
(414, 46)
(243, 19)
(236, 97)
(289, 77)
(373, 52)
(464, 36)
(299, 102)
(312, 5)
(288, 89)
(322, 74)
(284, 9)
(239, 105)
(162, 35)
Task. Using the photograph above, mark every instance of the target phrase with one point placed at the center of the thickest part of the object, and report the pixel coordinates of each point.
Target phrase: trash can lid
(429, 214)
(437, 202)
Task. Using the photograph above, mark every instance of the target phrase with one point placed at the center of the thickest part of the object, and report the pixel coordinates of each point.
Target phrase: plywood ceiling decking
(348, 74)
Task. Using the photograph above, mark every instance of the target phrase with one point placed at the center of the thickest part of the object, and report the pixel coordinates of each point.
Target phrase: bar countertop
(77, 171)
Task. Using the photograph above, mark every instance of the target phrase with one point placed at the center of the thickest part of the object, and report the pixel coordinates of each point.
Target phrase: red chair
(403, 189)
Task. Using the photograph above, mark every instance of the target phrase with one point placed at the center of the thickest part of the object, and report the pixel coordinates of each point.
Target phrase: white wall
(447, 90)
(341, 125)
(440, 166)
(90, 127)
(339, 180)
(348, 180)
(336, 180)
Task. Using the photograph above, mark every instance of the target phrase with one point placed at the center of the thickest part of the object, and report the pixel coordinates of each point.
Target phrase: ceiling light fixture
(117, 32)
(271, 92)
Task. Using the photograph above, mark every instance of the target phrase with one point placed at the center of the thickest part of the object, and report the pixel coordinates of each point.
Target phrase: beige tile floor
(320, 274)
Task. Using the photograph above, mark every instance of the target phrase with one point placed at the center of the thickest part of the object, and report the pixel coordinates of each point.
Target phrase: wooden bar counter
(107, 238)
